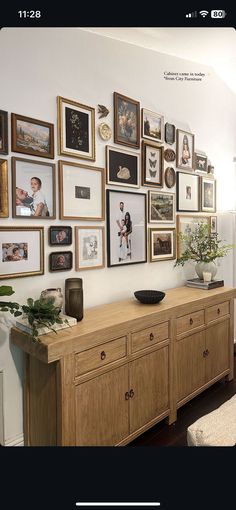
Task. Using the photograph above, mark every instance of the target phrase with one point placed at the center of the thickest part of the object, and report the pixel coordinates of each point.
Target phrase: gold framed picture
(162, 244)
(4, 206)
(126, 121)
(32, 136)
(21, 251)
(186, 224)
(185, 150)
(89, 248)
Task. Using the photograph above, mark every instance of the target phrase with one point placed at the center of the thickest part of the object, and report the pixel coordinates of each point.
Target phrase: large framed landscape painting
(32, 136)
(152, 126)
(126, 121)
(126, 228)
(21, 251)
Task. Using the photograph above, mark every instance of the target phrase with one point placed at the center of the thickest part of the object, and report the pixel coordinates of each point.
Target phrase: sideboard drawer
(190, 321)
(216, 311)
(101, 355)
(149, 336)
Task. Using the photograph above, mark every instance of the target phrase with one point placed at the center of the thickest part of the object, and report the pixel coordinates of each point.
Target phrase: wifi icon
(204, 13)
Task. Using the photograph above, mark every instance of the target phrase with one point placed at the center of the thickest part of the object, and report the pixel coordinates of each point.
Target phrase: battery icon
(218, 14)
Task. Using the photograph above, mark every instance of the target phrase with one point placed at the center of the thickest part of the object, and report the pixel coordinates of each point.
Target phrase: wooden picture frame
(161, 207)
(19, 256)
(76, 129)
(32, 136)
(213, 221)
(152, 164)
(122, 167)
(60, 235)
(126, 121)
(82, 183)
(152, 126)
(184, 150)
(89, 248)
(187, 221)
(4, 202)
(200, 162)
(208, 194)
(188, 192)
(33, 189)
(170, 133)
(60, 261)
(170, 177)
(3, 132)
(162, 244)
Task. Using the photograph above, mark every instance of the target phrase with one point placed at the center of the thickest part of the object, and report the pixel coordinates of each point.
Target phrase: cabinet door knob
(218, 311)
(151, 336)
(207, 352)
(131, 393)
(204, 354)
(103, 355)
(191, 321)
(127, 395)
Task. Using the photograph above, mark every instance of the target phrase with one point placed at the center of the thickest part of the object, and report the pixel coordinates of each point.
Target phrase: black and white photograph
(60, 235)
(208, 194)
(161, 207)
(200, 162)
(89, 248)
(169, 133)
(122, 167)
(33, 189)
(60, 261)
(152, 165)
(161, 244)
(21, 251)
(126, 228)
(185, 150)
(152, 126)
(187, 192)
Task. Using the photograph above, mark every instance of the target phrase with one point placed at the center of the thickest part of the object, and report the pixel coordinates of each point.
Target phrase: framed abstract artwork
(32, 136)
(3, 132)
(126, 121)
(21, 251)
(122, 167)
(161, 207)
(162, 244)
(187, 192)
(208, 194)
(4, 207)
(89, 248)
(152, 165)
(152, 126)
(76, 129)
(185, 150)
(187, 224)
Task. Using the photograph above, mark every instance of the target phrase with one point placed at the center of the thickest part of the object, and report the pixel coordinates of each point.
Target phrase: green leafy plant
(201, 246)
(9, 306)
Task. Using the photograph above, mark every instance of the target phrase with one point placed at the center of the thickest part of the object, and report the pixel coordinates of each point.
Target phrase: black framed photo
(3, 132)
(169, 133)
(126, 228)
(208, 194)
(122, 167)
(187, 192)
(60, 235)
(200, 162)
(60, 261)
(152, 164)
(126, 121)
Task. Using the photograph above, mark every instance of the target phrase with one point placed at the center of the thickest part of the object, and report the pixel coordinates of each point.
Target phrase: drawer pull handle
(151, 336)
(127, 395)
(218, 311)
(206, 353)
(131, 393)
(103, 355)
(191, 321)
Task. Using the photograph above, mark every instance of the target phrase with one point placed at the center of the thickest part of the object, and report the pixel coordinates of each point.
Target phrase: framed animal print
(89, 248)
(152, 126)
(185, 150)
(122, 167)
(187, 192)
(126, 121)
(21, 251)
(187, 224)
(4, 207)
(162, 244)
(161, 207)
(3, 132)
(152, 164)
(208, 194)
(32, 136)
(200, 162)
(76, 129)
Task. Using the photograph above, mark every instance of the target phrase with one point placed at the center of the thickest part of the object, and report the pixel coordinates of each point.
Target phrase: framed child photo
(161, 207)
(208, 194)
(89, 248)
(76, 129)
(185, 150)
(3, 132)
(152, 165)
(33, 189)
(60, 261)
(60, 235)
(21, 251)
(32, 136)
(162, 244)
(152, 126)
(126, 121)
(4, 207)
(122, 167)
(187, 192)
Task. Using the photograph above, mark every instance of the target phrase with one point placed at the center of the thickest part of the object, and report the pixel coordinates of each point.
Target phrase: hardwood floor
(176, 434)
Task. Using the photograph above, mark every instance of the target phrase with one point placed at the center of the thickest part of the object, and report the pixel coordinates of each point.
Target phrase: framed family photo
(89, 248)
(21, 251)
(4, 207)
(187, 192)
(3, 132)
(60, 261)
(162, 244)
(122, 167)
(200, 162)
(161, 207)
(208, 194)
(32, 136)
(60, 235)
(33, 189)
(152, 126)
(126, 121)
(126, 228)
(76, 129)
(152, 164)
(185, 150)
(187, 224)
(82, 191)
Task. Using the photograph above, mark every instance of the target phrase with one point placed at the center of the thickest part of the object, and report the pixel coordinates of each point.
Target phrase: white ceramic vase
(56, 294)
(208, 267)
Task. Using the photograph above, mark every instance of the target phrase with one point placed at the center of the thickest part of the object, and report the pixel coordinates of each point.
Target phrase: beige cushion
(217, 428)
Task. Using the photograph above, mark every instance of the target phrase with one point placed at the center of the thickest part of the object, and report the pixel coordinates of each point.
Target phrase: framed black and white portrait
(187, 192)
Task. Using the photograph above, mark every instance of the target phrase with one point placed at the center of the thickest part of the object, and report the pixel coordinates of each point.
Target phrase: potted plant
(203, 248)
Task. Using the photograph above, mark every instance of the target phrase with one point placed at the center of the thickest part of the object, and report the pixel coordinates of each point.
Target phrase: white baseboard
(17, 441)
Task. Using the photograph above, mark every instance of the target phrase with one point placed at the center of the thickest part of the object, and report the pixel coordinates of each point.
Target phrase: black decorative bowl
(149, 297)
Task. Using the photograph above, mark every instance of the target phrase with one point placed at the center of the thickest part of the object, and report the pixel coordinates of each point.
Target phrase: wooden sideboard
(125, 367)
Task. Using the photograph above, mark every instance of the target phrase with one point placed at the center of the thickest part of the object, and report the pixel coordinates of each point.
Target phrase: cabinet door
(149, 382)
(101, 409)
(218, 352)
(190, 364)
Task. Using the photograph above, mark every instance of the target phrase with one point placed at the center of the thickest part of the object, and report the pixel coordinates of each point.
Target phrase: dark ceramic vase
(74, 298)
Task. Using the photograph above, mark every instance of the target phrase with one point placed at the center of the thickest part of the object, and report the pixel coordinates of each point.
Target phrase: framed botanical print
(187, 224)
(161, 244)
(32, 136)
(60, 261)
(126, 121)
(89, 248)
(187, 192)
(208, 194)
(152, 126)
(170, 177)
(185, 150)
(82, 191)
(4, 209)
(200, 162)
(169, 133)
(21, 251)
(3, 132)
(60, 235)
(76, 129)
(122, 167)
(161, 207)
(126, 228)
(213, 224)
(33, 189)
(152, 164)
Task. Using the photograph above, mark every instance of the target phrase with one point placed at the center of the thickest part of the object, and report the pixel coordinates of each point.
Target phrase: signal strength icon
(191, 15)
(204, 13)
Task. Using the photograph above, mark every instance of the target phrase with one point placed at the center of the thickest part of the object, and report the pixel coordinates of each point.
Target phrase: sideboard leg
(172, 417)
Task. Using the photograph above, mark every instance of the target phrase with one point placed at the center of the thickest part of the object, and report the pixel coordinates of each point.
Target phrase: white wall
(39, 64)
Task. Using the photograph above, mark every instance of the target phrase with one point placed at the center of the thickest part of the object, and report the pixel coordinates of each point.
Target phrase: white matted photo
(21, 251)
(126, 228)
(185, 150)
(89, 248)
(187, 192)
(162, 244)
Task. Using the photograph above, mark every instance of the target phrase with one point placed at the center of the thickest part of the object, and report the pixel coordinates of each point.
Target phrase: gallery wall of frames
(141, 149)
